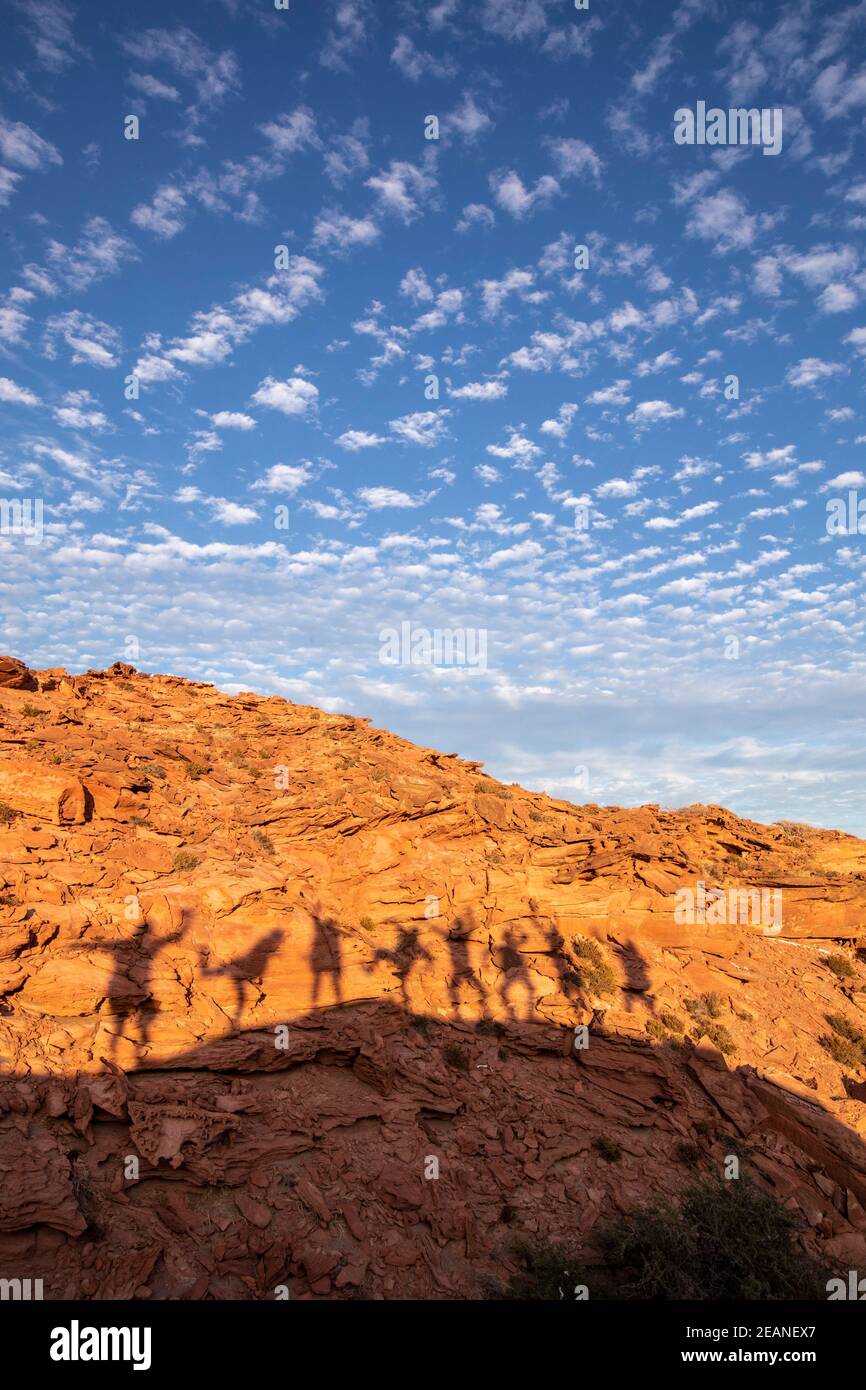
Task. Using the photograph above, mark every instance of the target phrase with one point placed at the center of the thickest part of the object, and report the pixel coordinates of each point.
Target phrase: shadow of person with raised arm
(133, 964)
(405, 957)
(248, 969)
(326, 956)
(461, 970)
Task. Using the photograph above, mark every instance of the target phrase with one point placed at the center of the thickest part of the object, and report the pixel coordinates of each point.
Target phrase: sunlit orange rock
(327, 988)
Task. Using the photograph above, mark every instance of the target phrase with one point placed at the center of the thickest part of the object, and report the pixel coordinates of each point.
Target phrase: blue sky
(697, 635)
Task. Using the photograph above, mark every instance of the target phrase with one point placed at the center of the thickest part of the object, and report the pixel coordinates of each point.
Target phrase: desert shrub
(689, 1154)
(7, 815)
(841, 966)
(725, 1241)
(31, 711)
(264, 841)
(704, 1010)
(846, 1044)
(656, 1029)
(608, 1148)
(548, 1271)
(490, 1027)
(588, 966)
(456, 1056)
(366, 923)
(671, 1021)
(494, 789)
(184, 860)
(717, 1034)
(195, 770)
(153, 770)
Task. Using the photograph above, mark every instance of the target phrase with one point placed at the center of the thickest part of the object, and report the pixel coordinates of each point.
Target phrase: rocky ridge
(290, 1004)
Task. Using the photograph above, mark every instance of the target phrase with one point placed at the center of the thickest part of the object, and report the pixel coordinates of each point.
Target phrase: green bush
(846, 1044)
(608, 1148)
(726, 1241)
(841, 966)
(456, 1056)
(184, 860)
(588, 966)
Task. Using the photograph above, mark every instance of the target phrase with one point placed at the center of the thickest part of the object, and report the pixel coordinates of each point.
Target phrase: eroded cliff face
(287, 1002)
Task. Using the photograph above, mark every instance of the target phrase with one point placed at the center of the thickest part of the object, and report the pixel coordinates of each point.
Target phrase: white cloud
(423, 427)
(575, 158)
(13, 394)
(294, 396)
(285, 478)
(811, 370)
(232, 420)
(355, 440)
(377, 498)
(510, 193)
(480, 391)
(404, 189)
(651, 412)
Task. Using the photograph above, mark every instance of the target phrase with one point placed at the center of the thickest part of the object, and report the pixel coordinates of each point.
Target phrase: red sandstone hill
(264, 971)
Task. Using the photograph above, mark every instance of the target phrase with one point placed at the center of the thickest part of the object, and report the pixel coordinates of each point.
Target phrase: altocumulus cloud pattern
(494, 369)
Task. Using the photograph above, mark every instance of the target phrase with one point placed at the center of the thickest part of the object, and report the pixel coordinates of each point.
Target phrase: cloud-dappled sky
(667, 617)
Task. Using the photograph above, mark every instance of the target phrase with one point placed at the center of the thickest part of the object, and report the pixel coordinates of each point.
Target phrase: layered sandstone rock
(261, 965)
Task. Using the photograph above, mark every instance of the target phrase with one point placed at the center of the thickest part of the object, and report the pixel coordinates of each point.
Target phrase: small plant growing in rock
(689, 1154)
(195, 770)
(154, 771)
(490, 1027)
(706, 1007)
(264, 841)
(841, 966)
(588, 967)
(671, 1021)
(727, 1241)
(656, 1029)
(846, 1044)
(31, 711)
(184, 861)
(494, 789)
(609, 1150)
(456, 1056)
(704, 1010)
(7, 815)
(366, 923)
